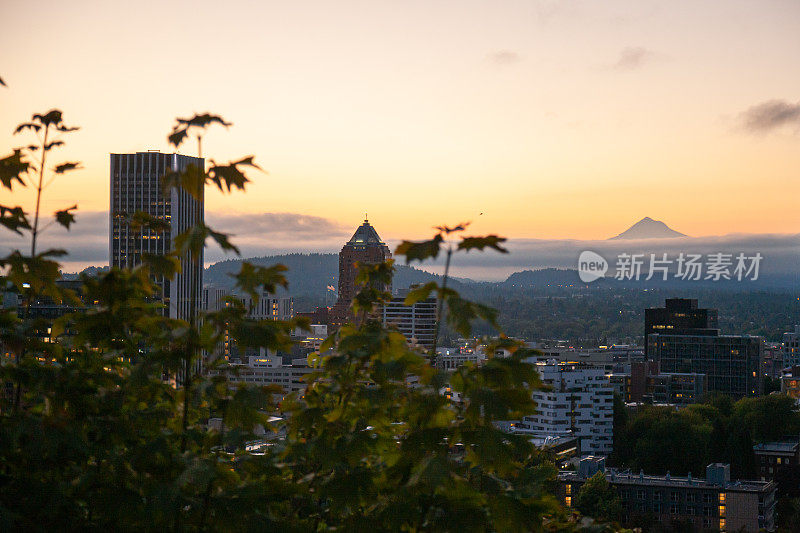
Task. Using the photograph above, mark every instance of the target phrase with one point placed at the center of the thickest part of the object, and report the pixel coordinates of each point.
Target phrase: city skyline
(535, 120)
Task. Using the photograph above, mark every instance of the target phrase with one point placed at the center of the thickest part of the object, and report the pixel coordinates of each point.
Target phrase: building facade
(417, 322)
(679, 316)
(136, 186)
(712, 504)
(646, 384)
(581, 400)
(791, 347)
(731, 363)
(365, 246)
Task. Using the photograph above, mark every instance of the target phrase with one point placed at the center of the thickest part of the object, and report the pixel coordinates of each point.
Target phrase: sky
(536, 120)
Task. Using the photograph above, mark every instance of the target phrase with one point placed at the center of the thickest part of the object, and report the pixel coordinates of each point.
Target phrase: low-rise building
(715, 503)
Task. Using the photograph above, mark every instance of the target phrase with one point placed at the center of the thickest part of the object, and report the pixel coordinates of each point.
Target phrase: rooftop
(777, 447)
(626, 476)
(365, 234)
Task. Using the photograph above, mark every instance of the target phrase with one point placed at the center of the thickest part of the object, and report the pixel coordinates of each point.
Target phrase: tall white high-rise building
(136, 186)
(581, 400)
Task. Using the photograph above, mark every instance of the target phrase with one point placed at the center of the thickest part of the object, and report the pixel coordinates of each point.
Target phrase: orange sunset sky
(568, 119)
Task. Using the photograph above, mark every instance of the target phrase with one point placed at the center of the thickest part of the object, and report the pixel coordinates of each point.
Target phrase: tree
(94, 437)
(599, 499)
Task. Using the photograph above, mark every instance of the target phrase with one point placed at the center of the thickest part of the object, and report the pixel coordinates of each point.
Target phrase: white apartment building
(581, 400)
(270, 370)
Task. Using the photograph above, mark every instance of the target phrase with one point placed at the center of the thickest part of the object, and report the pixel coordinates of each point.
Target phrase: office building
(136, 186)
(365, 247)
(416, 322)
(646, 384)
(580, 400)
(679, 316)
(712, 504)
(731, 363)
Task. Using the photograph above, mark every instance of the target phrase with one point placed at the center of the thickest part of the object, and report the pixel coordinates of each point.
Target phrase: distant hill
(647, 228)
(545, 277)
(310, 274)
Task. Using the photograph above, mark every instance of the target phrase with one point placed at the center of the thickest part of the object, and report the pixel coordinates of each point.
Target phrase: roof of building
(777, 447)
(626, 477)
(365, 234)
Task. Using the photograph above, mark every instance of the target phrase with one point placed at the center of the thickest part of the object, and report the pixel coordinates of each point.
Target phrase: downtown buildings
(136, 186)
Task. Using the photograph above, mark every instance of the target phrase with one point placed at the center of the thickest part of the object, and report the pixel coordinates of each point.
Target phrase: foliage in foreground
(104, 420)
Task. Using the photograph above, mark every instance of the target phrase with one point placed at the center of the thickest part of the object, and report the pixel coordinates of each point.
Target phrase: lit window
(568, 501)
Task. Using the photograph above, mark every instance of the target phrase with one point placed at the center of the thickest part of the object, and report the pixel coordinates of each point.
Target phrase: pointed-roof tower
(365, 246)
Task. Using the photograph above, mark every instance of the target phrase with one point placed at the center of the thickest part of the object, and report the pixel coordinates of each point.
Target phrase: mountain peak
(647, 228)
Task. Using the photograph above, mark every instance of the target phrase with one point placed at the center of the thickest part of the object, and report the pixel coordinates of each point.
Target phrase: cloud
(255, 234)
(86, 242)
(280, 225)
(504, 57)
(778, 250)
(633, 58)
(771, 115)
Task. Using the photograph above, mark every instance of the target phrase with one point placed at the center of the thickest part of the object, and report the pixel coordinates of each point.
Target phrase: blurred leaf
(64, 217)
(14, 219)
(141, 220)
(51, 118)
(255, 280)
(191, 179)
(3, 83)
(27, 126)
(491, 241)
(162, 265)
(419, 250)
(66, 167)
(229, 175)
(420, 293)
(12, 167)
(194, 240)
(53, 144)
(181, 130)
(448, 230)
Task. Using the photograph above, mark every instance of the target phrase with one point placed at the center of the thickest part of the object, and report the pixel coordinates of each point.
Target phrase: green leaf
(140, 219)
(420, 293)
(12, 167)
(64, 217)
(27, 126)
(229, 175)
(194, 240)
(181, 130)
(14, 219)
(255, 279)
(53, 144)
(191, 179)
(490, 241)
(162, 265)
(448, 230)
(419, 250)
(66, 167)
